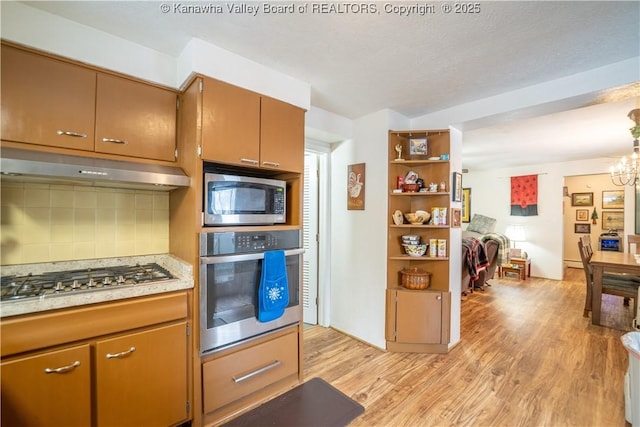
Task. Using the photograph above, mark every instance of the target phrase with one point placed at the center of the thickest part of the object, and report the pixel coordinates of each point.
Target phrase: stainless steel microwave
(243, 200)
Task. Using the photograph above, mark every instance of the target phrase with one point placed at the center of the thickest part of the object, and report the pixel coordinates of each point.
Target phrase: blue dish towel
(273, 292)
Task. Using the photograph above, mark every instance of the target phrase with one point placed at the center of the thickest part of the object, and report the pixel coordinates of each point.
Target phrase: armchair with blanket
(483, 251)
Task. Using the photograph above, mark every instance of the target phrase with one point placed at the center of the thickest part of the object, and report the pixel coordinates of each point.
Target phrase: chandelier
(626, 171)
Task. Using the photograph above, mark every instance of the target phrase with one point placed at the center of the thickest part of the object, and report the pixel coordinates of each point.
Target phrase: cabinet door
(141, 378)
(46, 101)
(281, 136)
(50, 389)
(134, 119)
(418, 317)
(230, 124)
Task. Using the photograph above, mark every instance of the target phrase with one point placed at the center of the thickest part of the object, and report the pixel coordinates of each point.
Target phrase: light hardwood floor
(527, 358)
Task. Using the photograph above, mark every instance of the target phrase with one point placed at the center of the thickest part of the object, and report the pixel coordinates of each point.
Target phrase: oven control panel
(226, 243)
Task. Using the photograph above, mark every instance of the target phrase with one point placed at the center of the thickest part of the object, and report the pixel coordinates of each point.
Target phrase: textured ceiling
(359, 63)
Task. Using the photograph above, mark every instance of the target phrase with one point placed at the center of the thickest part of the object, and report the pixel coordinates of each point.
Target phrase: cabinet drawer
(239, 374)
(31, 332)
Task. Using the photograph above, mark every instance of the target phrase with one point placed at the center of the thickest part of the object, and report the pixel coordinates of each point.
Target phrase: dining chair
(612, 284)
(633, 240)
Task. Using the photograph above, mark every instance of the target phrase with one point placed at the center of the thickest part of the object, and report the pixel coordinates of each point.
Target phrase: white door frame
(323, 150)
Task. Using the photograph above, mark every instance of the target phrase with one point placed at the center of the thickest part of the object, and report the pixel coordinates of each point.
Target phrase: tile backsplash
(45, 223)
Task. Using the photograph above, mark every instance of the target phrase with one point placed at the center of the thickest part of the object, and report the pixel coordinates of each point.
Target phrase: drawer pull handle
(63, 369)
(251, 161)
(115, 141)
(121, 354)
(274, 164)
(256, 372)
(70, 133)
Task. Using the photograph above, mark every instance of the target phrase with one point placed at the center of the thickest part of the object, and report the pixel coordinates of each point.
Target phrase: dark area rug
(315, 403)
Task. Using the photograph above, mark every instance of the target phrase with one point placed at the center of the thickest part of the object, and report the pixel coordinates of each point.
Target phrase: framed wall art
(456, 187)
(582, 215)
(613, 199)
(466, 205)
(582, 228)
(456, 217)
(355, 187)
(612, 220)
(581, 199)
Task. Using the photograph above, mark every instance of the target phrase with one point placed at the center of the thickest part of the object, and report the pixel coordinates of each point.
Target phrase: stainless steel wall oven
(230, 271)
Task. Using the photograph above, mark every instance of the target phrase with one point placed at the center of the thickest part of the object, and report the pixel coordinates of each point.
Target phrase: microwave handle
(244, 257)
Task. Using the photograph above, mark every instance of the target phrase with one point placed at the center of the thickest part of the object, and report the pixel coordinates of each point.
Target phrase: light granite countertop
(181, 270)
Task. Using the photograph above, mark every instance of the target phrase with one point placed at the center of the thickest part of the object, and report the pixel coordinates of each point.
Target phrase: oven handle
(244, 257)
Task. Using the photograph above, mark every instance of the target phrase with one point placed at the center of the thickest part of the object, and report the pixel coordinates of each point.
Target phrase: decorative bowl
(411, 188)
(411, 239)
(417, 217)
(415, 278)
(416, 250)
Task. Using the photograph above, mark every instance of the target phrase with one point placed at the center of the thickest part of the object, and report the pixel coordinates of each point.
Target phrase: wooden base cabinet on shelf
(418, 319)
(114, 375)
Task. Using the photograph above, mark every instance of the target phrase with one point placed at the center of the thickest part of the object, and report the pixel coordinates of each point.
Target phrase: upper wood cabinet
(281, 135)
(46, 102)
(134, 119)
(243, 128)
(51, 102)
(230, 124)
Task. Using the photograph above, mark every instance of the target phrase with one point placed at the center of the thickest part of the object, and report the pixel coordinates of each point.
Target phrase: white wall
(359, 238)
(491, 194)
(455, 245)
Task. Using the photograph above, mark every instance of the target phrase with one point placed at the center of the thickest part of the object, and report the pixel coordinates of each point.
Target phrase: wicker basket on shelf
(415, 278)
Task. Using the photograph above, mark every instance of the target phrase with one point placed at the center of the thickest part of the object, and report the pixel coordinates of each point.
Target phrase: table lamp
(515, 233)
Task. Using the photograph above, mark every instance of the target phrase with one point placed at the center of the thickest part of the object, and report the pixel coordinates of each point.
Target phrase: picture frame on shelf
(418, 147)
(456, 217)
(613, 199)
(582, 199)
(466, 205)
(582, 228)
(582, 215)
(612, 220)
(456, 187)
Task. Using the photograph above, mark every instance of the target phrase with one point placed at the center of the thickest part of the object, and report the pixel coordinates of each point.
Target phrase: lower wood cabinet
(417, 319)
(128, 378)
(48, 389)
(148, 368)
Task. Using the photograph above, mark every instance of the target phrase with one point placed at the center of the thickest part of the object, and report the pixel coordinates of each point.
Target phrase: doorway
(316, 230)
(310, 237)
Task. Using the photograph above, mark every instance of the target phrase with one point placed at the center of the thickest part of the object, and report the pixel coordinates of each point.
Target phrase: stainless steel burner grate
(63, 282)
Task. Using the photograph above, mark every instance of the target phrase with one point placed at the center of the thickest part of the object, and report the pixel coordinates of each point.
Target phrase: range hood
(35, 166)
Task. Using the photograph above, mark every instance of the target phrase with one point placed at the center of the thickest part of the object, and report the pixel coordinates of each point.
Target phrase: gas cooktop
(19, 288)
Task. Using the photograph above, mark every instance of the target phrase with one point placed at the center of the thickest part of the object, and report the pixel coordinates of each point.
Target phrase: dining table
(611, 262)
